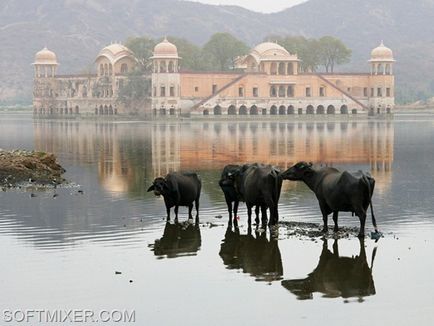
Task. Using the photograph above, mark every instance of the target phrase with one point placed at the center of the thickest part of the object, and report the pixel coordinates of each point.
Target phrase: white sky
(256, 5)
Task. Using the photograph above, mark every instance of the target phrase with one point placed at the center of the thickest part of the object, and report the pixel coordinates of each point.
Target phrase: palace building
(267, 81)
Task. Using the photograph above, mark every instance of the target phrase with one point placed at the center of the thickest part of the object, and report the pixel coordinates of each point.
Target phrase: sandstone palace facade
(267, 82)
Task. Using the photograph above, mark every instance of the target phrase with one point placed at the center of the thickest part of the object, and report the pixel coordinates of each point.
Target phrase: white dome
(269, 51)
(45, 57)
(165, 49)
(115, 52)
(382, 53)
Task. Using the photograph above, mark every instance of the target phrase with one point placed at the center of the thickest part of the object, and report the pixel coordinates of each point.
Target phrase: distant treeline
(221, 50)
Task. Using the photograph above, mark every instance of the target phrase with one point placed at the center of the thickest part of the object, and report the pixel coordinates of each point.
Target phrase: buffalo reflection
(255, 255)
(336, 276)
(178, 240)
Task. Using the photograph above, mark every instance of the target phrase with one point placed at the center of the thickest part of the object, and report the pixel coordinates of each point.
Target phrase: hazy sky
(256, 5)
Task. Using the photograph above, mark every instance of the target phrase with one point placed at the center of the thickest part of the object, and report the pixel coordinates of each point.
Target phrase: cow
(178, 189)
(227, 184)
(258, 185)
(178, 240)
(336, 276)
(253, 254)
(337, 191)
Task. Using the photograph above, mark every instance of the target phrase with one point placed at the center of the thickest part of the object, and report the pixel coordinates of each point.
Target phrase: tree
(333, 52)
(222, 49)
(142, 48)
(190, 53)
(135, 91)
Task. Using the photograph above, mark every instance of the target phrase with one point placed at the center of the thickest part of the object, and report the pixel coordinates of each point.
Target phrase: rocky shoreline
(29, 167)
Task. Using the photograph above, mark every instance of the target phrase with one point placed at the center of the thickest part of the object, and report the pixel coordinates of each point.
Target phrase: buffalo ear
(151, 188)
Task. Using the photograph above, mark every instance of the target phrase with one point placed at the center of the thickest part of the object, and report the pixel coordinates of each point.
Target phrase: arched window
(273, 68)
(254, 110)
(309, 109)
(124, 68)
(273, 110)
(388, 69)
(344, 109)
(232, 110)
(101, 69)
(110, 110)
(320, 109)
(171, 66)
(282, 110)
(282, 91)
(163, 66)
(217, 110)
(282, 68)
(110, 69)
(205, 112)
(290, 68)
(291, 109)
(290, 91)
(105, 69)
(330, 109)
(273, 91)
(243, 110)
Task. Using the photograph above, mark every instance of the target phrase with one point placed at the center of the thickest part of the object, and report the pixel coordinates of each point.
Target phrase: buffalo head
(159, 186)
(298, 171)
(229, 173)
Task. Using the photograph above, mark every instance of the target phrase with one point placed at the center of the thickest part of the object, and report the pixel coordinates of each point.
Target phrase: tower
(382, 81)
(166, 81)
(45, 64)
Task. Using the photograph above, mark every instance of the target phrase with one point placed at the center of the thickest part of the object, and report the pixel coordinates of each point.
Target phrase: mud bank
(23, 167)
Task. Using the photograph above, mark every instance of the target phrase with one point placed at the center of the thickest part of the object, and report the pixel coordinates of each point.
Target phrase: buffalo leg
(264, 215)
(325, 214)
(257, 214)
(168, 213)
(362, 218)
(196, 204)
(236, 203)
(249, 214)
(229, 204)
(176, 213)
(335, 219)
(190, 208)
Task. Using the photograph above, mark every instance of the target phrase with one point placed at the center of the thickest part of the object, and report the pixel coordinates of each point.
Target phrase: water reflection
(126, 154)
(178, 240)
(253, 254)
(336, 276)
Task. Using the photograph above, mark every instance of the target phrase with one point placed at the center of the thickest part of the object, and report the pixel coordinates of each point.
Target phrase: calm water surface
(62, 252)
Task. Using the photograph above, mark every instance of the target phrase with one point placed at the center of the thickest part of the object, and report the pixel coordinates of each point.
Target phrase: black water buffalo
(337, 191)
(179, 239)
(336, 276)
(258, 185)
(232, 196)
(178, 189)
(253, 254)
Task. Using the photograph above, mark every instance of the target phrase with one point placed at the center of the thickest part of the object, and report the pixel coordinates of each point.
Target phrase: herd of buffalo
(259, 186)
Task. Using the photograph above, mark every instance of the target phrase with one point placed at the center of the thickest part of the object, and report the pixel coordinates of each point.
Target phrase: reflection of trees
(179, 239)
(336, 276)
(254, 254)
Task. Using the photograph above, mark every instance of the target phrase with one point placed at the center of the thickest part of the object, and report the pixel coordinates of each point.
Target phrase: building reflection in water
(254, 254)
(336, 276)
(126, 154)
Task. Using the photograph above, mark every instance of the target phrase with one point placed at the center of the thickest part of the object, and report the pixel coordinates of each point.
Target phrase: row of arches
(164, 111)
(57, 111)
(278, 110)
(106, 110)
(164, 66)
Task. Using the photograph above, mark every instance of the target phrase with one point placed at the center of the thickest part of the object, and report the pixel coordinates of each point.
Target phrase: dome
(115, 52)
(271, 51)
(382, 53)
(45, 57)
(165, 49)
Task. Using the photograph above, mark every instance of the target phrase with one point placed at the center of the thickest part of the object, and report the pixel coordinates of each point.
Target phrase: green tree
(222, 49)
(190, 53)
(333, 52)
(142, 48)
(135, 91)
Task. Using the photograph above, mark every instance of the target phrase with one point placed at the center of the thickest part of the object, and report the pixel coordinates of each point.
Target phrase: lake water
(63, 251)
